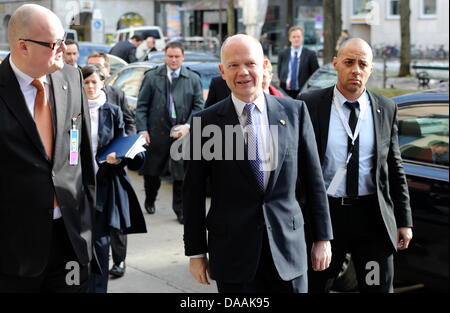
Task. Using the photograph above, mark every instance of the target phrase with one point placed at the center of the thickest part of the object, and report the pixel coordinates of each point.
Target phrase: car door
(424, 139)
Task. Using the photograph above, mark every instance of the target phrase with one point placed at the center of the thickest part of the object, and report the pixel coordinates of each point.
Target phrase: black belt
(343, 201)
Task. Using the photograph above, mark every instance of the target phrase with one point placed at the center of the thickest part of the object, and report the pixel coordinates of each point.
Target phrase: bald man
(47, 177)
(256, 238)
(363, 172)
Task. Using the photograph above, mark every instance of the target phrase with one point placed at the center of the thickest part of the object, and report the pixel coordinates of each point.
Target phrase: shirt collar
(23, 79)
(169, 71)
(299, 50)
(239, 105)
(363, 99)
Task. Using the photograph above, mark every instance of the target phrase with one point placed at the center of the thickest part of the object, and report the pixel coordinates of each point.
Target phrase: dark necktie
(171, 107)
(294, 72)
(252, 146)
(353, 165)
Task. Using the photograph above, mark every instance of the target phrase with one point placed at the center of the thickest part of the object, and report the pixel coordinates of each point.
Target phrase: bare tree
(405, 52)
(230, 18)
(332, 27)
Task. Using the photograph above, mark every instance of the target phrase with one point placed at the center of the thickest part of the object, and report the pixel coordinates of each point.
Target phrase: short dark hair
(99, 54)
(173, 45)
(136, 37)
(72, 42)
(90, 69)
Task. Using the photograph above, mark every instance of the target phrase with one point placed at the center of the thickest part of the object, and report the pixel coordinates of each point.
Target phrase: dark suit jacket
(29, 181)
(116, 198)
(152, 115)
(124, 50)
(239, 212)
(218, 90)
(390, 181)
(117, 97)
(308, 65)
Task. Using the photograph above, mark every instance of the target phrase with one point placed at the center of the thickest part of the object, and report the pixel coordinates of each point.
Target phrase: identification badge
(336, 181)
(73, 154)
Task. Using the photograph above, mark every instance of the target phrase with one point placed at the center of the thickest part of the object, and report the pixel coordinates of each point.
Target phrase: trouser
(267, 279)
(359, 230)
(98, 283)
(63, 273)
(152, 185)
(118, 245)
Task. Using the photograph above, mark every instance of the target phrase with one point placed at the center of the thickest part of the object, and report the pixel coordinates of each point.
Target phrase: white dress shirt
(29, 93)
(336, 150)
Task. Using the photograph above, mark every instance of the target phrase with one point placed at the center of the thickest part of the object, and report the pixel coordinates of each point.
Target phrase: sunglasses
(52, 45)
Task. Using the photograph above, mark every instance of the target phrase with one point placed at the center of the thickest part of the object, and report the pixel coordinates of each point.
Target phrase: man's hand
(111, 158)
(321, 255)
(198, 268)
(179, 131)
(404, 236)
(146, 136)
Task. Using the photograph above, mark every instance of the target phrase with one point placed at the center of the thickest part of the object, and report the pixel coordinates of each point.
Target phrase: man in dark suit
(117, 97)
(126, 49)
(256, 240)
(169, 96)
(47, 182)
(72, 53)
(362, 167)
(218, 90)
(296, 64)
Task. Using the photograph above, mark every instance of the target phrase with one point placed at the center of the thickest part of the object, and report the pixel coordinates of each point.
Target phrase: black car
(423, 134)
(129, 78)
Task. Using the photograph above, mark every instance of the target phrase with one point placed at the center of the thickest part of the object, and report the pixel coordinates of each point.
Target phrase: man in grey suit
(169, 96)
(256, 239)
(362, 167)
(47, 181)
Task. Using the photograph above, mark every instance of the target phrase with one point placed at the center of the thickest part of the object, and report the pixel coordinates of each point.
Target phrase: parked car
(115, 63)
(158, 56)
(129, 78)
(423, 122)
(87, 48)
(325, 76)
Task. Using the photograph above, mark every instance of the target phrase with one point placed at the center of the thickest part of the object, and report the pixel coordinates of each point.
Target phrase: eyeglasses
(52, 45)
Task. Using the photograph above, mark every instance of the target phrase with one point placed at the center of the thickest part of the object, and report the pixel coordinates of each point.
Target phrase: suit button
(53, 174)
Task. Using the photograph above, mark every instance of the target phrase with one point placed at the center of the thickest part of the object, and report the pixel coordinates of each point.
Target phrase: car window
(148, 32)
(130, 80)
(423, 133)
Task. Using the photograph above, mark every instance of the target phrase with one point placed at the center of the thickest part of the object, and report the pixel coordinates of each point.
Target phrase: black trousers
(118, 245)
(55, 278)
(152, 185)
(360, 231)
(267, 279)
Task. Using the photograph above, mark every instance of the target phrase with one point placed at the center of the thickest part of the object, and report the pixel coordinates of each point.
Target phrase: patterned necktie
(353, 165)
(294, 72)
(253, 146)
(43, 117)
(43, 120)
(172, 112)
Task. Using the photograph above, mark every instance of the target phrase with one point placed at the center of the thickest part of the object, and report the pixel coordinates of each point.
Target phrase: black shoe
(150, 208)
(118, 270)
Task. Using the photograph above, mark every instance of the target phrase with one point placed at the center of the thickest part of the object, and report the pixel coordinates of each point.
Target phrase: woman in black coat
(117, 205)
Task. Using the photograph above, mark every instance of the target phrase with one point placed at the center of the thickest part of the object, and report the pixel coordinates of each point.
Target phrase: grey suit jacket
(390, 180)
(239, 212)
(29, 181)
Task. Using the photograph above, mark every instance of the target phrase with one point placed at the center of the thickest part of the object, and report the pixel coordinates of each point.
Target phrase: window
(428, 8)
(393, 7)
(423, 133)
(361, 7)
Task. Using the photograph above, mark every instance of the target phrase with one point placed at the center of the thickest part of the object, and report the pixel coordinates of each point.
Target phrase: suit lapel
(12, 96)
(275, 114)
(323, 116)
(377, 114)
(60, 100)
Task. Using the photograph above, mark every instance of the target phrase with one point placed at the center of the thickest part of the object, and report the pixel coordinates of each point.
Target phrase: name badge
(74, 137)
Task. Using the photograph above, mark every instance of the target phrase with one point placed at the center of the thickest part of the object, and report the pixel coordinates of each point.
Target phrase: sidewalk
(155, 260)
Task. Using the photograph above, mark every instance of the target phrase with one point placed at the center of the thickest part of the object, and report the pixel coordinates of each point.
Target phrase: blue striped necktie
(294, 72)
(252, 146)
